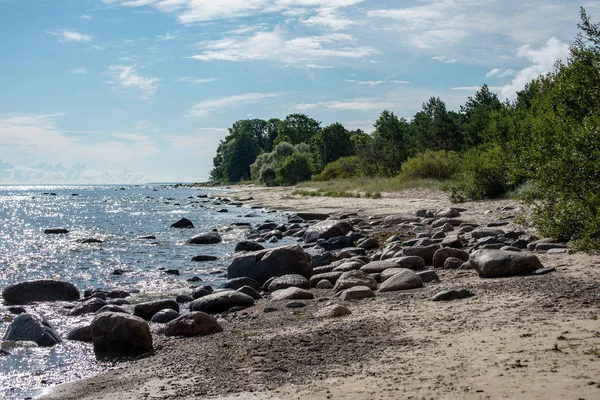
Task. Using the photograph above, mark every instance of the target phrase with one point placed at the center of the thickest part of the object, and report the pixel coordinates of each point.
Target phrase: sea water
(117, 215)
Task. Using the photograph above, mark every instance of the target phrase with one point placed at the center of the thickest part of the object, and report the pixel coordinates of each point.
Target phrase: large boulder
(237, 283)
(164, 316)
(415, 263)
(292, 293)
(206, 238)
(337, 243)
(327, 230)
(442, 254)
(32, 328)
(221, 301)
(425, 252)
(148, 309)
(286, 281)
(183, 223)
(265, 264)
(195, 323)
(354, 278)
(402, 280)
(117, 334)
(247, 245)
(502, 263)
(81, 334)
(42, 290)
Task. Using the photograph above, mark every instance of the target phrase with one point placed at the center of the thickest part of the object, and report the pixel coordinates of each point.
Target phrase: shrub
(345, 168)
(294, 169)
(439, 165)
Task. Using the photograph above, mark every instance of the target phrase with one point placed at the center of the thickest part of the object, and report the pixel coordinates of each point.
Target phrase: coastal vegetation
(543, 146)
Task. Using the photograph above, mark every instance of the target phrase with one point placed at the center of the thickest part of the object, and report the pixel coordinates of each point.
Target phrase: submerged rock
(183, 223)
(206, 238)
(55, 231)
(42, 290)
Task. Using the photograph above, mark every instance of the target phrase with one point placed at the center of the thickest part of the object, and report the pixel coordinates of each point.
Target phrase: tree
(477, 111)
(297, 128)
(329, 144)
(391, 130)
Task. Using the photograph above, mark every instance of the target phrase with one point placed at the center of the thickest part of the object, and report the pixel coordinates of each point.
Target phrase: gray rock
(425, 252)
(337, 243)
(202, 291)
(333, 311)
(453, 241)
(164, 316)
(486, 232)
(378, 266)
(295, 304)
(81, 334)
(354, 278)
(250, 291)
(268, 263)
(292, 293)
(310, 216)
(442, 254)
(32, 328)
(16, 310)
(499, 263)
(116, 334)
(89, 306)
(543, 271)
(286, 281)
(330, 276)
(448, 212)
(349, 265)
(42, 290)
(494, 224)
(237, 283)
(55, 231)
(184, 298)
(357, 293)
(453, 263)
(148, 309)
(195, 323)
(206, 238)
(221, 301)
(247, 245)
(415, 263)
(369, 244)
(549, 246)
(324, 284)
(326, 230)
(403, 280)
(428, 275)
(112, 308)
(452, 294)
(203, 258)
(183, 223)
(397, 219)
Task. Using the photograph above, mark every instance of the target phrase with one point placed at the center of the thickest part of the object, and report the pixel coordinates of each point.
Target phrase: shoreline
(515, 331)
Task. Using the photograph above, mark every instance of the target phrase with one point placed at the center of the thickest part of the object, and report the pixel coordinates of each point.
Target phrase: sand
(533, 337)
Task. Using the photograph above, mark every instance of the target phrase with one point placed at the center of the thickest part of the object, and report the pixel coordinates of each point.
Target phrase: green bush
(294, 169)
(345, 168)
(440, 165)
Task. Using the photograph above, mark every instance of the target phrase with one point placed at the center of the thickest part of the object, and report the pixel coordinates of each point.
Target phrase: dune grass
(366, 187)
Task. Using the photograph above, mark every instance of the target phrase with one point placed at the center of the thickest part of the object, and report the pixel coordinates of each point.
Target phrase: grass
(371, 187)
(327, 193)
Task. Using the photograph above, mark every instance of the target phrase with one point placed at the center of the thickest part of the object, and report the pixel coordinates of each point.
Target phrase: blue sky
(132, 91)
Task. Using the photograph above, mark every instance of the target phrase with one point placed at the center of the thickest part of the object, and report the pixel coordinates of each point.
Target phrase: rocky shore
(391, 298)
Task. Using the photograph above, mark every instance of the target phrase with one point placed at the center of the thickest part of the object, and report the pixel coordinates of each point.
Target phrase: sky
(136, 91)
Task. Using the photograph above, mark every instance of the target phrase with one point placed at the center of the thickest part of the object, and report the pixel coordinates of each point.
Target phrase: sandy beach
(526, 337)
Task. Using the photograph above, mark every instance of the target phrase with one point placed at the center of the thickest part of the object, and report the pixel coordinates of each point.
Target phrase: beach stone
(164, 316)
(292, 293)
(202, 291)
(510, 248)
(147, 237)
(369, 244)
(183, 223)
(349, 266)
(267, 310)
(324, 284)
(148, 309)
(184, 298)
(268, 263)
(543, 271)
(250, 291)
(425, 214)
(91, 241)
(453, 263)
(295, 304)
(203, 258)
(55, 231)
(327, 230)
(425, 252)
(89, 306)
(448, 212)
(388, 273)
(452, 294)
(333, 311)
(32, 328)
(172, 272)
(38, 291)
(81, 334)
(466, 229)
(310, 216)
(206, 238)
(378, 266)
(452, 241)
(16, 310)
(403, 280)
(486, 232)
(286, 281)
(195, 323)
(415, 263)
(357, 293)
(494, 224)
(440, 256)
(116, 334)
(112, 308)
(397, 219)
(221, 301)
(354, 278)
(337, 243)
(500, 263)
(332, 277)
(194, 279)
(532, 245)
(323, 259)
(428, 276)
(237, 283)
(248, 245)
(550, 246)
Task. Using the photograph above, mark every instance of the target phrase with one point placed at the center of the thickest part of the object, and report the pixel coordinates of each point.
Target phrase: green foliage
(389, 146)
(431, 164)
(345, 167)
(296, 129)
(285, 165)
(329, 144)
(477, 111)
(326, 193)
(294, 169)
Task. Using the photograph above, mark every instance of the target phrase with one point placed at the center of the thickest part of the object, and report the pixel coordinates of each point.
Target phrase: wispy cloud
(203, 108)
(189, 79)
(166, 37)
(86, 17)
(351, 104)
(317, 66)
(400, 82)
(500, 73)
(126, 77)
(444, 59)
(65, 35)
(79, 71)
(368, 83)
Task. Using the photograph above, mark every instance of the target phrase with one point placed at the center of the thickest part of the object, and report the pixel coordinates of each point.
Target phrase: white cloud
(166, 37)
(86, 17)
(79, 71)
(444, 59)
(189, 79)
(317, 66)
(500, 73)
(542, 61)
(203, 108)
(369, 83)
(275, 46)
(330, 18)
(65, 35)
(400, 82)
(126, 77)
(352, 104)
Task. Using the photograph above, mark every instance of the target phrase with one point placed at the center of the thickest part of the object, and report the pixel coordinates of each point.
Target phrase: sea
(117, 215)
